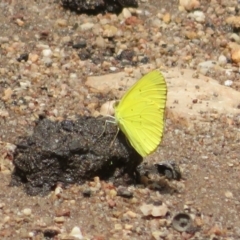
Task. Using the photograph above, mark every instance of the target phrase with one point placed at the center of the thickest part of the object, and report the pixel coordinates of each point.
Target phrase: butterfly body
(140, 113)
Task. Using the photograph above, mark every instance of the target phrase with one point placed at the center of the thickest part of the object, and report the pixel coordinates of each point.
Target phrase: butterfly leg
(114, 138)
(104, 128)
(105, 125)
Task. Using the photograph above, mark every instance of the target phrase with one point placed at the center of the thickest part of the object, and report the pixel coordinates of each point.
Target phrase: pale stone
(47, 52)
(189, 4)
(228, 194)
(100, 42)
(27, 211)
(61, 22)
(76, 233)
(126, 13)
(184, 86)
(212, 97)
(86, 26)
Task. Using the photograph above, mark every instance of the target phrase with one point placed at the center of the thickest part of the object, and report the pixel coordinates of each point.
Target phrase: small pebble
(19, 22)
(27, 211)
(222, 60)
(236, 55)
(167, 18)
(131, 214)
(109, 31)
(126, 13)
(113, 69)
(124, 192)
(76, 233)
(59, 219)
(33, 57)
(199, 16)
(128, 226)
(228, 83)
(235, 37)
(228, 194)
(100, 42)
(86, 26)
(58, 191)
(118, 226)
(189, 4)
(47, 53)
(61, 22)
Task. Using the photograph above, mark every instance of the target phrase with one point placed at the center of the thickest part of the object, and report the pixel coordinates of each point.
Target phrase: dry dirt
(53, 84)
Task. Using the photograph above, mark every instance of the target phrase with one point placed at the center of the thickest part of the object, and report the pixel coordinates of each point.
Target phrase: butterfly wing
(140, 113)
(142, 124)
(151, 86)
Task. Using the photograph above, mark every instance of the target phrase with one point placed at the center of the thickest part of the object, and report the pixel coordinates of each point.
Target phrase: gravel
(42, 72)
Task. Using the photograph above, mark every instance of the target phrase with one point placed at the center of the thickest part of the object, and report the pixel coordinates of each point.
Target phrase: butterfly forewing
(151, 86)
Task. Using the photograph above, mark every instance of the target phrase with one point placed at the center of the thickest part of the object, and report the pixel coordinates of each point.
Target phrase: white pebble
(31, 105)
(228, 194)
(222, 60)
(142, 12)
(25, 84)
(235, 37)
(55, 112)
(27, 211)
(228, 83)
(76, 233)
(73, 75)
(31, 234)
(113, 69)
(47, 52)
(86, 26)
(42, 46)
(199, 16)
(58, 191)
(126, 13)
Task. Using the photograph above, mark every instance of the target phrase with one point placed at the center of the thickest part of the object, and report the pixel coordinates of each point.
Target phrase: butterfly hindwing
(140, 113)
(142, 124)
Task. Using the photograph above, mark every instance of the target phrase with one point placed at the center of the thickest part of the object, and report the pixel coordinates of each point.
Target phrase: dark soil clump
(96, 6)
(71, 152)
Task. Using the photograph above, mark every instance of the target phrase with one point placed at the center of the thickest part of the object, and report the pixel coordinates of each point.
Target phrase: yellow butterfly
(140, 113)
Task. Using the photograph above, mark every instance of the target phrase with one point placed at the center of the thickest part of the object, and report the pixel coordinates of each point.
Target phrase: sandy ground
(58, 50)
